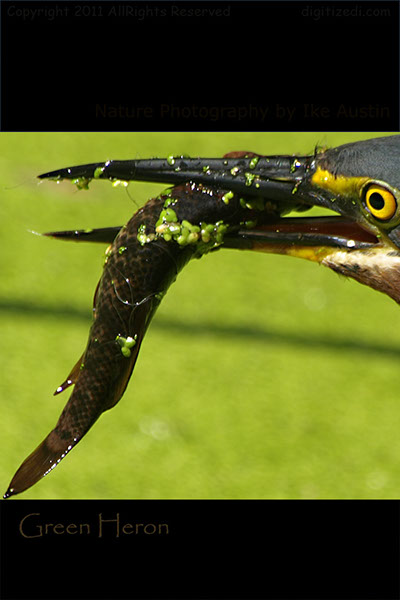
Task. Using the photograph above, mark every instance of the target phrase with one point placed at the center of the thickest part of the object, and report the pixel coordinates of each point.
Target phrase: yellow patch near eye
(338, 184)
(380, 202)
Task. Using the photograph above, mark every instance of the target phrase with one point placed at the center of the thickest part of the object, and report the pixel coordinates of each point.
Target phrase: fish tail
(38, 464)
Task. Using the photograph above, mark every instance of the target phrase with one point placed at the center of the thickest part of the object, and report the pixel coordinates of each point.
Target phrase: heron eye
(380, 202)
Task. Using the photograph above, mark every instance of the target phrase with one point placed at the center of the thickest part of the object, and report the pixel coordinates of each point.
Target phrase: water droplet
(315, 299)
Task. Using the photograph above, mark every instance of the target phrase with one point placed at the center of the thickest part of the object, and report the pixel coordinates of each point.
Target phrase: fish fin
(120, 389)
(95, 296)
(72, 377)
(38, 464)
(144, 316)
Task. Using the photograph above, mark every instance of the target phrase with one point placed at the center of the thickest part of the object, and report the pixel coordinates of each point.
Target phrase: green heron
(238, 201)
(359, 181)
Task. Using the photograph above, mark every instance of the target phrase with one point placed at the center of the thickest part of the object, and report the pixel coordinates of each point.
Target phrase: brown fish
(140, 265)
(233, 202)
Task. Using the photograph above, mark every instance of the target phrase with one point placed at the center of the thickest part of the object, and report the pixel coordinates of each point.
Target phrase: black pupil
(376, 201)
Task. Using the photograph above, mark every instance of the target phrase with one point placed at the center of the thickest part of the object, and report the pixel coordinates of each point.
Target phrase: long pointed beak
(349, 242)
(242, 172)
(291, 235)
(286, 181)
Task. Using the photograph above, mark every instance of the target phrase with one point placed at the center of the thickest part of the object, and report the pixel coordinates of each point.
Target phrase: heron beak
(299, 184)
(347, 240)
(286, 183)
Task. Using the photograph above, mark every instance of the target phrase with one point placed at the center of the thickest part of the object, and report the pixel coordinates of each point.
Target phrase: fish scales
(137, 272)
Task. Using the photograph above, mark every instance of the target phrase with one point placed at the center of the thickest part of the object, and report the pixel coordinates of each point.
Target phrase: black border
(230, 66)
(54, 71)
(238, 549)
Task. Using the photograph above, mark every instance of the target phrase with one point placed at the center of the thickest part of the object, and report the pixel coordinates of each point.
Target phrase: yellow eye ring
(380, 202)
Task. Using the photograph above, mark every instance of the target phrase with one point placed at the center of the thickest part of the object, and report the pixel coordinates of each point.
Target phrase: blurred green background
(286, 375)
